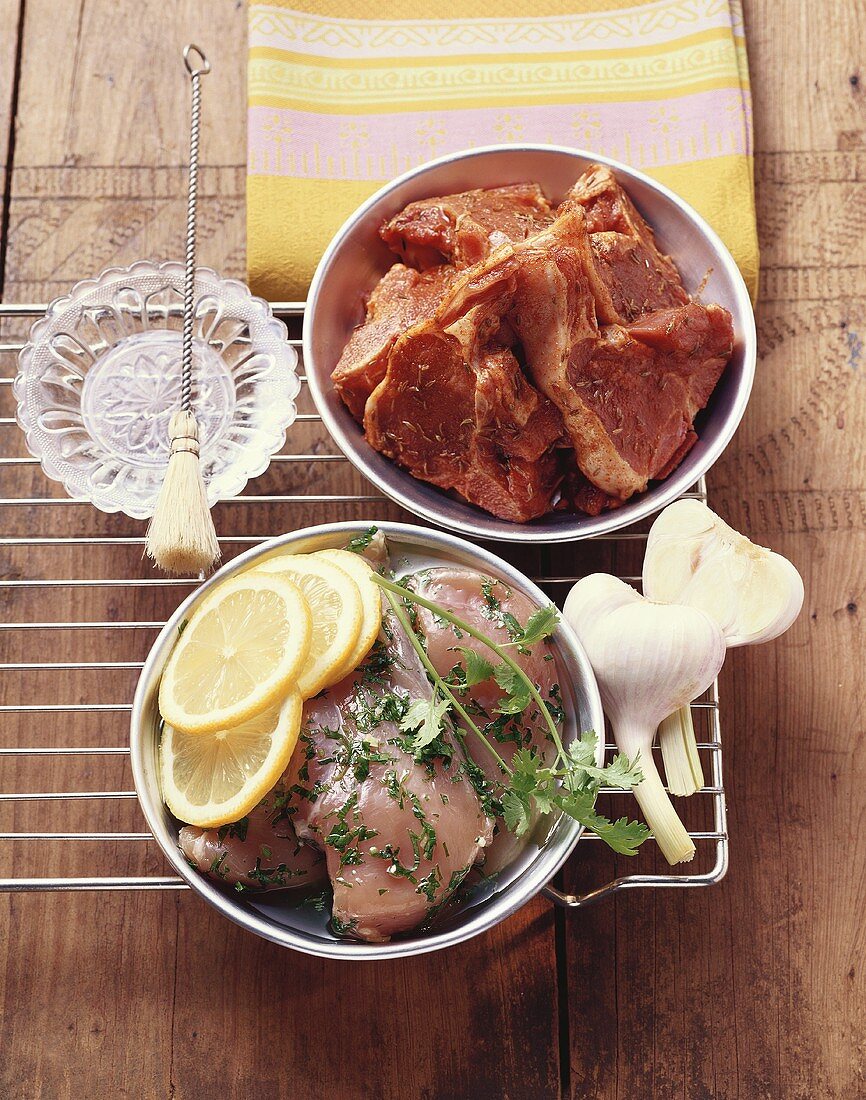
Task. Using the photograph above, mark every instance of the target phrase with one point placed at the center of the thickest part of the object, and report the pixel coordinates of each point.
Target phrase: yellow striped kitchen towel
(340, 105)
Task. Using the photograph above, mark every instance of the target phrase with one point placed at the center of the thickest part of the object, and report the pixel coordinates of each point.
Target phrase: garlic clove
(693, 557)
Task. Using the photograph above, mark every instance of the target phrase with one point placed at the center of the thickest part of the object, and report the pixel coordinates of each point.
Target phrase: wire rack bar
(28, 661)
(66, 796)
(123, 750)
(40, 796)
(65, 750)
(120, 882)
(22, 460)
(289, 498)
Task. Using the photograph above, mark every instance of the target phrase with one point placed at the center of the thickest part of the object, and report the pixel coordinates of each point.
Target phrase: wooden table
(751, 989)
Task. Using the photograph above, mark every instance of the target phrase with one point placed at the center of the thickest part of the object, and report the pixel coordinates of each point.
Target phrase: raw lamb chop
(398, 835)
(456, 410)
(402, 297)
(463, 229)
(633, 276)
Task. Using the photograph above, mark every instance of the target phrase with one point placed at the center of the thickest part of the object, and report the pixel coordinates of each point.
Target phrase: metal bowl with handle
(356, 259)
(279, 917)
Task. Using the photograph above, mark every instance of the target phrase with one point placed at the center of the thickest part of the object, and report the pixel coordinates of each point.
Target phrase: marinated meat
(628, 283)
(634, 277)
(463, 229)
(456, 410)
(632, 397)
(560, 364)
(398, 835)
(553, 309)
(476, 427)
(577, 493)
(508, 410)
(628, 394)
(261, 851)
(402, 297)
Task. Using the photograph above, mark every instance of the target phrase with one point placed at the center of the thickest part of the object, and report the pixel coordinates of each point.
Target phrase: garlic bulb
(693, 557)
(649, 659)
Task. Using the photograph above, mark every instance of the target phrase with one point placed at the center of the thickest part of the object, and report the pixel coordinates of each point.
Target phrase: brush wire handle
(197, 66)
(181, 537)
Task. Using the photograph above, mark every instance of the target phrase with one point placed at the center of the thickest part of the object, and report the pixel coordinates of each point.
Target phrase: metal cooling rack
(106, 848)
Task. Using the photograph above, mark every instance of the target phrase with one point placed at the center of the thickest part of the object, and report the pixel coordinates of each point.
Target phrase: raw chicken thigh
(398, 835)
(492, 607)
(487, 604)
(261, 851)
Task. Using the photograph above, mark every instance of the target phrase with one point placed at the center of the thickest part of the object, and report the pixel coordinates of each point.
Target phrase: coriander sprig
(572, 781)
(441, 687)
(539, 632)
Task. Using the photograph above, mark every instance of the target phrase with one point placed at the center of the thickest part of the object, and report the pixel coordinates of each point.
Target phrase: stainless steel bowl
(356, 259)
(281, 921)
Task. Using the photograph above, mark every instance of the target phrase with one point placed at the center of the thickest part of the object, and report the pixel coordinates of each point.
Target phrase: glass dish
(100, 378)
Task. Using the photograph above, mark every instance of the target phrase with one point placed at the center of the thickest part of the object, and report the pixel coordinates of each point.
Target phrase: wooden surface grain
(754, 989)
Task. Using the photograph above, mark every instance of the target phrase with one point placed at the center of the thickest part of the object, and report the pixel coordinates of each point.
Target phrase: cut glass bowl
(100, 378)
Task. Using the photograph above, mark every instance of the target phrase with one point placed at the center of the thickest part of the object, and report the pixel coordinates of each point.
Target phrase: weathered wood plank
(176, 1001)
(755, 989)
(10, 17)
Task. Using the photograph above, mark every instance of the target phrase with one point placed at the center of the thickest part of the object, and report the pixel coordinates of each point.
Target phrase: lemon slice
(360, 570)
(242, 648)
(211, 779)
(337, 610)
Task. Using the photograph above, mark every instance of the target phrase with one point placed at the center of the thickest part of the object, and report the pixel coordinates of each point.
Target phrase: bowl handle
(635, 882)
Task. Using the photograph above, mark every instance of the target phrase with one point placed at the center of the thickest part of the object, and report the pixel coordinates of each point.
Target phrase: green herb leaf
(541, 624)
(425, 716)
(582, 752)
(477, 668)
(622, 835)
(512, 625)
(529, 770)
(515, 811)
(517, 696)
(234, 829)
(531, 776)
(359, 543)
(620, 772)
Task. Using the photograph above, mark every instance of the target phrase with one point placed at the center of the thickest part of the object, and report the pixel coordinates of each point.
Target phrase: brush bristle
(181, 537)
